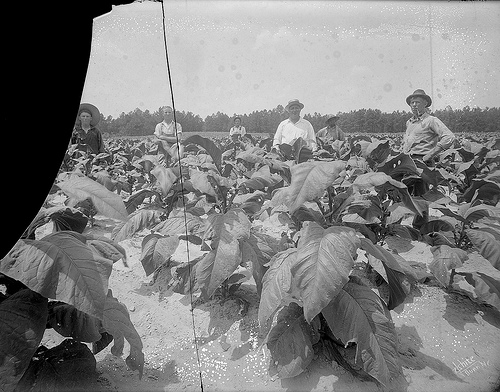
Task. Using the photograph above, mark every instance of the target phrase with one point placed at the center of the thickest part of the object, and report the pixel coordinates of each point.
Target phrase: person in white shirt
(237, 128)
(169, 134)
(293, 127)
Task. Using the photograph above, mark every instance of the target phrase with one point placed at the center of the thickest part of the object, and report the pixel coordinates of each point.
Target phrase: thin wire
(183, 201)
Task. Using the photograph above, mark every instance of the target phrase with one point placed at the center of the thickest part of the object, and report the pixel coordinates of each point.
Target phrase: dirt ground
(446, 341)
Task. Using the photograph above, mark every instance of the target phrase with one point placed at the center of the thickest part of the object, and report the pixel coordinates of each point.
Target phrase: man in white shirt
(294, 126)
(169, 134)
(237, 128)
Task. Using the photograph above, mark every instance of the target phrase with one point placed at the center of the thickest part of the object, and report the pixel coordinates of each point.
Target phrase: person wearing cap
(295, 127)
(168, 134)
(332, 131)
(85, 133)
(426, 136)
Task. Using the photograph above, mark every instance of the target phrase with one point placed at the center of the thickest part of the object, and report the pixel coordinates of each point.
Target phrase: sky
(236, 57)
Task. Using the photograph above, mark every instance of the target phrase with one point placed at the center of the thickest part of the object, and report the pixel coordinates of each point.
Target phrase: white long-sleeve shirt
(288, 132)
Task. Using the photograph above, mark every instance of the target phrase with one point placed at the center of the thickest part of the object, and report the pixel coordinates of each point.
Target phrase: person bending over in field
(332, 131)
(85, 133)
(425, 138)
(294, 127)
(168, 134)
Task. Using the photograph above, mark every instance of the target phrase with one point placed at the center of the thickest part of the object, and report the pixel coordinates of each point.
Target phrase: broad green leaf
(138, 221)
(156, 251)
(200, 182)
(371, 180)
(107, 248)
(446, 259)
(181, 224)
(486, 244)
(436, 225)
(358, 315)
(23, 317)
(70, 322)
(209, 147)
(290, 343)
(276, 286)
(106, 202)
(225, 231)
(324, 261)
(117, 322)
(64, 218)
(165, 177)
(399, 167)
(261, 179)
(61, 267)
(310, 180)
(478, 286)
(393, 272)
(137, 198)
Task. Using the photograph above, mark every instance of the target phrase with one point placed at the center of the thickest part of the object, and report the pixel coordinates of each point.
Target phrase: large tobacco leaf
(117, 322)
(446, 259)
(106, 202)
(70, 322)
(394, 273)
(262, 178)
(23, 317)
(180, 224)
(137, 198)
(290, 343)
(165, 177)
(157, 250)
(200, 182)
(359, 315)
(388, 184)
(209, 147)
(487, 244)
(225, 231)
(310, 180)
(277, 289)
(138, 221)
(63, 217)
(399, 167)
(325, 258)
(62, 267)
(480, 287)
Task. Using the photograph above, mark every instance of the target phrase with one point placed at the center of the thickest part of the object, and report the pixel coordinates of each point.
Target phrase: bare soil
(447, 342)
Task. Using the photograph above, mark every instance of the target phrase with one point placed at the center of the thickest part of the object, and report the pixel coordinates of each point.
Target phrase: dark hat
(294, 102)
(88, 107)
(420, 93)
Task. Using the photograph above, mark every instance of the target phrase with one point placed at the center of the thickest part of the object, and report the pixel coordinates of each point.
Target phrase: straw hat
(88, 107)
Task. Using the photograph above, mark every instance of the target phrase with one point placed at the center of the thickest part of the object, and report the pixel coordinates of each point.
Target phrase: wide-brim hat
(96, 115)
(294, 102)
(331, 117)
(420, 93)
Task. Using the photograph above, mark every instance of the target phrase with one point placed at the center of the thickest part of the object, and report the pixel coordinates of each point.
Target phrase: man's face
(294, 111)
(85, 118)
(168, 114)
(237, 122)
(417, 105)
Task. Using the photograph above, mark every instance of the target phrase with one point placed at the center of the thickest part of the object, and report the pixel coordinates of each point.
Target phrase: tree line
(142, 123)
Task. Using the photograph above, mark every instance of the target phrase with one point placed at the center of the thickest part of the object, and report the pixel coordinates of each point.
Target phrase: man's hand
(428, 159)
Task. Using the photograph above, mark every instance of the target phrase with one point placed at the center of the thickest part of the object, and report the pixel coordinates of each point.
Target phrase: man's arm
(446, 139)
(312, 137)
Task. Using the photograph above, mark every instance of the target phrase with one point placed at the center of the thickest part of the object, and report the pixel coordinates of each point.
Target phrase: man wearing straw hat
(426, 136)
(85, 133)
(295, 127)
(332, 131)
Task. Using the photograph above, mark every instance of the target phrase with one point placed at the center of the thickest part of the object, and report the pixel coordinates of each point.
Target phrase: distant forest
(142, 123)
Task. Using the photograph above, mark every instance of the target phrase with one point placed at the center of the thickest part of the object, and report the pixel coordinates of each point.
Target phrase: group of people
(425, 137)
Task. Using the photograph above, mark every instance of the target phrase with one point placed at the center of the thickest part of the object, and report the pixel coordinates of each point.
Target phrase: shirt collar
(414, 118)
